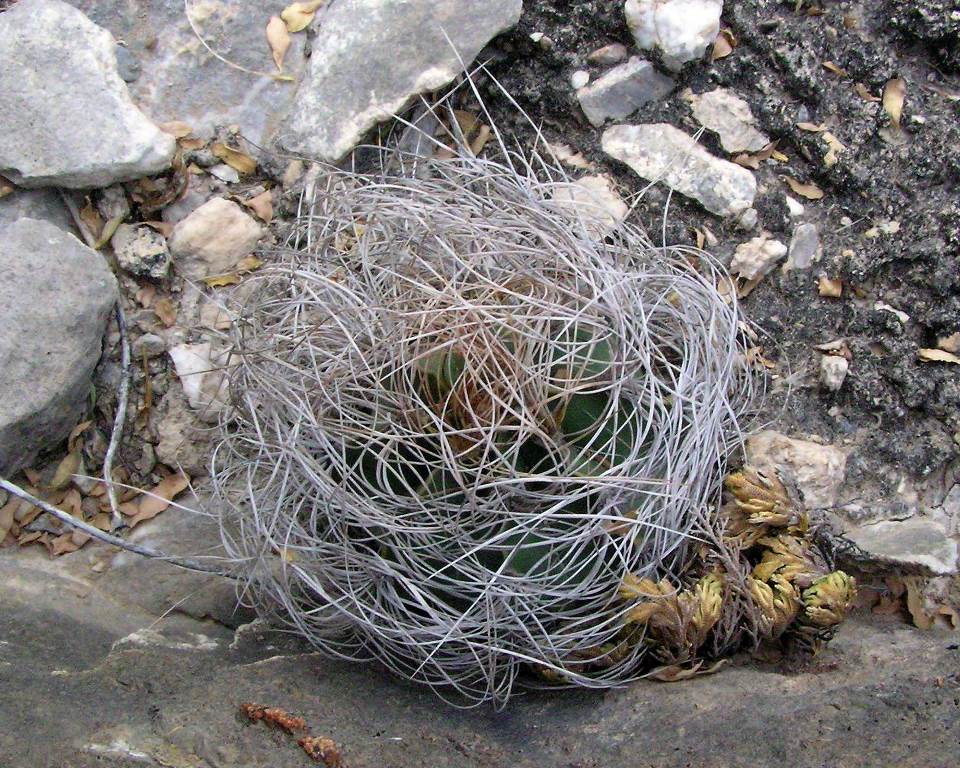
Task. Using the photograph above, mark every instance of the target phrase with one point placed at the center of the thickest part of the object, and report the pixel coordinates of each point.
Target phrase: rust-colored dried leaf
(166, 311)
(808, 189)
(753, 161)
(151, 504)
(69, 466)
(724, 44)
(938, 356)
(261, 205)
(235, 158)
(297, 16)
(278, 37)
(894, 94)
(865, 94)
(221, 281)
(837, 70)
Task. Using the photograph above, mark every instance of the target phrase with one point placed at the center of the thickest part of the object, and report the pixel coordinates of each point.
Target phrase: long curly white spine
(383, 271)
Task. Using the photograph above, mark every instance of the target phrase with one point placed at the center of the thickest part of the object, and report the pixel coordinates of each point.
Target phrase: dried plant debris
(274, 717)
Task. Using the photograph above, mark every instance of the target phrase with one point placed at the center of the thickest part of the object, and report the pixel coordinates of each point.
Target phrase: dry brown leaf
(894, 93)
(69, 466)
(811, 127)
(483, 136)
(221, 281)
(674, 673)
(6, 517)
(724, 44)
(830, 287)
(239, 161)
(831, 67)
(915, 603)
(176, 128)
(166, 311)
(834, 148)
(109, 229)
(753, 161)
(297, 16)
(151, 504)
(938, 356)
(66, 543)
(91, 219)
(808, 190)
(188, 145)
(865, 94)
(261, 205)
(72, 440)
(5, 187)
(72, 503)
(949, 343)
(145, 295)
(249, 264)
(278, 37)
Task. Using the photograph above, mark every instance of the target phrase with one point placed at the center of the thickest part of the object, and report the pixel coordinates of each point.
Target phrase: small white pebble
(846, 221)
(794, 207)
(579, 78)
(833, 370)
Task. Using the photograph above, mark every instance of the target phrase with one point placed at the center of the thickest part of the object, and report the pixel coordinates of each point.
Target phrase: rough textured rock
(660, 152)
(594, 200)
(680, 29)
(55, 297)
(622, 91)
(833, 371)
(915, 544)
(613, 53)
(141, 251)
(68, 117)
(729, 116)
(405, 49)
(182, 80)
(818, 470)
(183, 440)
(805, 247)
(756, 257)
(212, 239)
(43, 204)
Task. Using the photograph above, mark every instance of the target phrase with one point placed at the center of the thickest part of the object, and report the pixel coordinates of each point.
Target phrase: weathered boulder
(55, 297)
(818, 470)
(374, 56)
(212, 239)
(68, 118)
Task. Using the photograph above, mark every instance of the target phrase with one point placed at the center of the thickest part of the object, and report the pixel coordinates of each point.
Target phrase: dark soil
(900, 414)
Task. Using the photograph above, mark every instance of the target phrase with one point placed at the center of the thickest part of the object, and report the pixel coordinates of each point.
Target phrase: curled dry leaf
(894, 93)
(278, 37)
(297, 16)
(808, 190)
(812, 127)
(261, 205)
(830, 287)
(221, 281)
(865, 94)
(724, 44)
(166, 311)
(239, 161)
(176, 128)
(5, 187)
(322, 750)
(753, 161)
(831, 67)
(938, 356)
(273, 716)
(68, 467)
(152, 503)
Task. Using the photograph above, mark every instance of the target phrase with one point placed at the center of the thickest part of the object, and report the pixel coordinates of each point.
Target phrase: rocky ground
(812, 147)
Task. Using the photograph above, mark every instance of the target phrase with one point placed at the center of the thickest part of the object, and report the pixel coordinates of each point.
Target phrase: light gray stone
(579, 78)
(212, 239)
(818, 470)
(805, 247)
(68, 118)
(141, 251)
(55, 297)
(680, 29)
(756, 257)
(182, 80)
(148, 345)
(833, 371)
(593, 201)
(660, 152)
(622, 91)
(374, 56)
(184, 441)
(43, 204)
(730, 117)
(918, 543)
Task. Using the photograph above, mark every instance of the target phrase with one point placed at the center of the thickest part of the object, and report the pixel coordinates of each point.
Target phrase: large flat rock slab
(371, 57)
(68, 119)
(129, 670)
(55, 297)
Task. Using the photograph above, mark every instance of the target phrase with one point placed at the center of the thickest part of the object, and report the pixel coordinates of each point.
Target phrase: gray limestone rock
(213, 238)
(730, 117)
(680, 29)
(68, 118)
(43, 204)
(805, 247)
(55, 297)
(660, 152)
(818, 470)
(374, 56)
(918, 544)
(622, 91)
